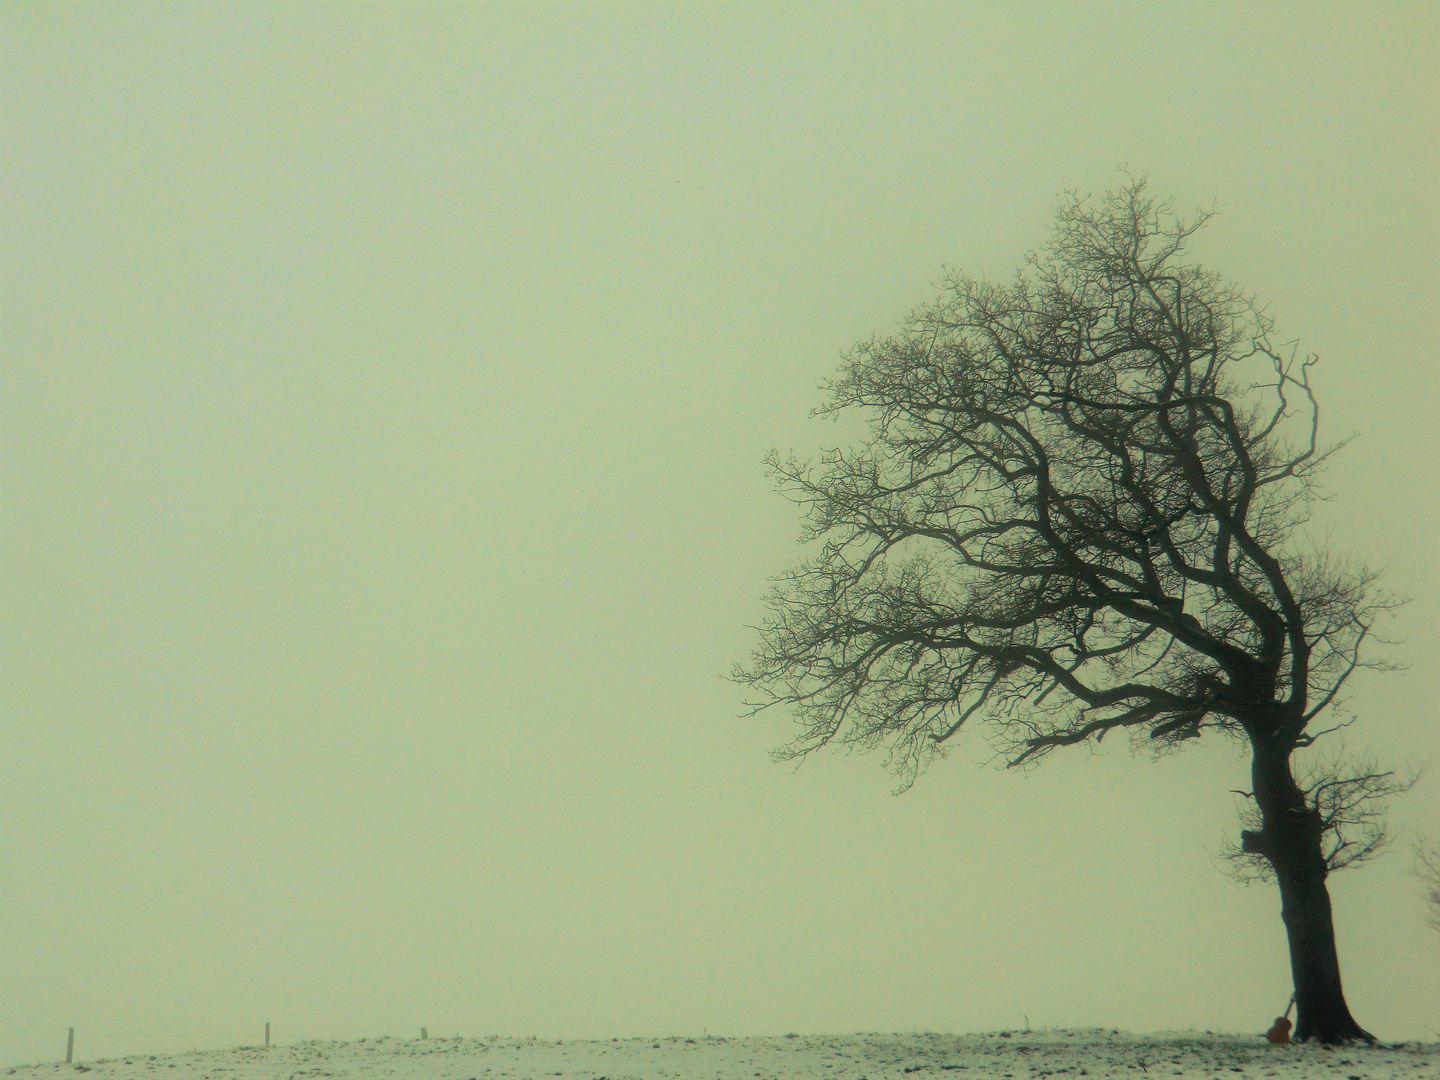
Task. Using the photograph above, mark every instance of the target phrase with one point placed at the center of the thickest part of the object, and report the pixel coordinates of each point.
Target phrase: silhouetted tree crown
(1076, 511)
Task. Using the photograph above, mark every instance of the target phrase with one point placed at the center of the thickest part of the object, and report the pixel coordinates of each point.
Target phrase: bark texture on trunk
(1290, 838)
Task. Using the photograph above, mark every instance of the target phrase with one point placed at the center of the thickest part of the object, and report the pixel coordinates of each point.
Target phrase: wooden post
(267, 1032)
(424, 1034)
(69, 1046)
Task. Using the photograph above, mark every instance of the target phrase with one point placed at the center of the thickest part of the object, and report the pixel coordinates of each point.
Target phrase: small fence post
(69, 1046)
(267, 1032)
(424, 1034)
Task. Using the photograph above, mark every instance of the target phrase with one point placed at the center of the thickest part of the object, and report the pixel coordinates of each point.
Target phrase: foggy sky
(384, 393)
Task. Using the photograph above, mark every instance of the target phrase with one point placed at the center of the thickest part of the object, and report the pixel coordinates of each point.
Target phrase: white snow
(1017, 1055)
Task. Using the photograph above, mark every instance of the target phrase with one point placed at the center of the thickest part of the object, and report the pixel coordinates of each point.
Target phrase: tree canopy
(1079, 508)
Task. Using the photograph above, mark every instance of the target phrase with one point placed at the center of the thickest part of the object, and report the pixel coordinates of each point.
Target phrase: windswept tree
(1081, 507)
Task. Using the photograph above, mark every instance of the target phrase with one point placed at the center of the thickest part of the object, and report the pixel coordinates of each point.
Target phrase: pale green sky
(384, 392)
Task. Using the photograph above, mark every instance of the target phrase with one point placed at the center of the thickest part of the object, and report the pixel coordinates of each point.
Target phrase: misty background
(384, 392)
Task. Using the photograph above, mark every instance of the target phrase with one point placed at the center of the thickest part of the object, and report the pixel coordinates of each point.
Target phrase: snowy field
(1004, 1056)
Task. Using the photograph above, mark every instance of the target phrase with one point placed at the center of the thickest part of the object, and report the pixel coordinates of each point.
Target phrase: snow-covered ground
(1001, 1056)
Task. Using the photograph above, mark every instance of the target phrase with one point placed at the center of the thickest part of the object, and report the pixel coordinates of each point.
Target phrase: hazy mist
(384, 391)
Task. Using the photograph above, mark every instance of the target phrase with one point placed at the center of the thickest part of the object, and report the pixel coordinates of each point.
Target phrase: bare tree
(1427, 869)
(1080, 508)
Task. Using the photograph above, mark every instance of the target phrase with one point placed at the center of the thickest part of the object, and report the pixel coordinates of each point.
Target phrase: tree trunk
(1290, 839)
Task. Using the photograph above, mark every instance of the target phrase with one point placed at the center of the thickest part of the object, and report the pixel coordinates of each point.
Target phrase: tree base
(1339, 1034)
